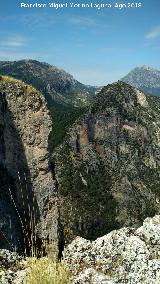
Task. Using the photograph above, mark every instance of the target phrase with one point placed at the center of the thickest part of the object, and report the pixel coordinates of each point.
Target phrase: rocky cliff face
(28, 201)
(108, 168)
(144, 78)
(124, 256)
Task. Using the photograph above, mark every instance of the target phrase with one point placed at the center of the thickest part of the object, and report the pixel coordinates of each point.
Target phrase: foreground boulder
(13, 268)
(127, 255)
(123, 256)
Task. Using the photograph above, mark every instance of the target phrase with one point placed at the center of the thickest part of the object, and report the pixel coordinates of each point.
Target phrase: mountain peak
(146, 67)
(119, 95)
(145, 78)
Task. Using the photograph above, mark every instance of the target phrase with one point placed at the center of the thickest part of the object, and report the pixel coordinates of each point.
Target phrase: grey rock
(122, 256)
(13, 268)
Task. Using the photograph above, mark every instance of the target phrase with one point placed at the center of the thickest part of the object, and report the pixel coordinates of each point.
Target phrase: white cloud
(153, 33)
(82, 21)
(14, 54)
(13, 41)
(33, 21)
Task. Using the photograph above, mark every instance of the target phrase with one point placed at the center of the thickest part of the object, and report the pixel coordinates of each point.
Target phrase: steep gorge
(107, 169)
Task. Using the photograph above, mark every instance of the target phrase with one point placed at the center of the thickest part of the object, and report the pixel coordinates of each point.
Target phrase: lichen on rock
(123, 256)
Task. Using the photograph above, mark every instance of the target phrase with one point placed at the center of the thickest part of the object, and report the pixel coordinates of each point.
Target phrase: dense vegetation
(63, 117)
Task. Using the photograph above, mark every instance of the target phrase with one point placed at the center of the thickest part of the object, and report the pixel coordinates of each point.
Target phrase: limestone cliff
(108, 168)
(28, 201)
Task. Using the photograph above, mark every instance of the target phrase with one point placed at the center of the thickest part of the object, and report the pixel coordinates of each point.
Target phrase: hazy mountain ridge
(145, 78)
(57, 85)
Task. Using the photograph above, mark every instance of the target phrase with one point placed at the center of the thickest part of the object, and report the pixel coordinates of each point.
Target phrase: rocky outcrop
(13, 268)
(144, 78)
(108, 168)
(28, 200)
(124, 256)
(127, 255)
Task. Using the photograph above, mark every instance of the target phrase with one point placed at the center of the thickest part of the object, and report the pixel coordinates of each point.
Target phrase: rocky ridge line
(58, 86)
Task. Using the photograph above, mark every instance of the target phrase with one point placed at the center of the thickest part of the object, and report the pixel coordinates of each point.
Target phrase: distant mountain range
(144, 78)
(66, 97)
(61, 89)
(58, 86)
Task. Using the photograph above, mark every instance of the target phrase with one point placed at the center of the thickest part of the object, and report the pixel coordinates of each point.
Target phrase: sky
(96, 46)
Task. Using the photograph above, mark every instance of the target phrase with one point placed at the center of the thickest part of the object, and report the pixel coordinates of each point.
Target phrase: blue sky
(95, 46)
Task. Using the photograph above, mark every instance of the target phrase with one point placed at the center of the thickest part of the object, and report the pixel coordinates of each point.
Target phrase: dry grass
(47, 271)
(8, 79)
(27, 87)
